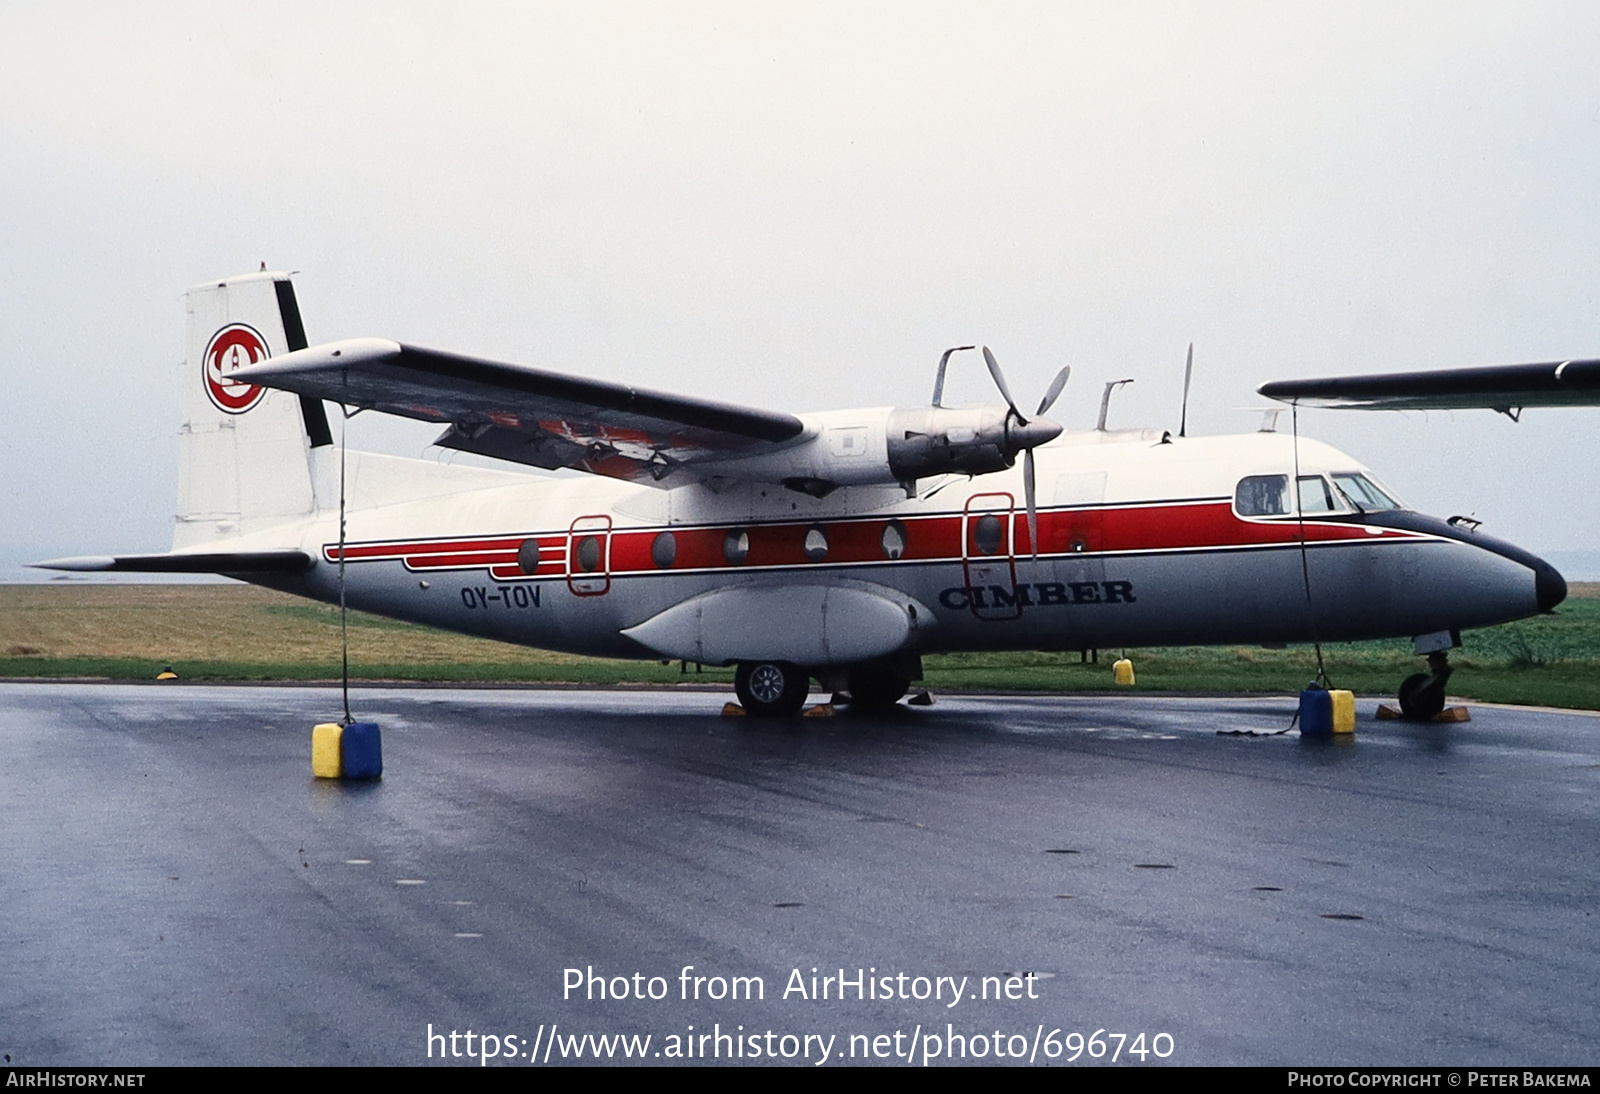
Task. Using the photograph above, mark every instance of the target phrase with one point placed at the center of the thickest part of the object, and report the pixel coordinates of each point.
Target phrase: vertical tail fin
(244, 451)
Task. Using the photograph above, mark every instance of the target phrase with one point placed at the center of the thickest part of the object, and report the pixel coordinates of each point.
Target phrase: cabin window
(528, 556)
(816, 544)
(736, 546)
(1262, 496)
(988, 533)
(587, 554)
(664, 550)
(894, 540)
(1363, 493)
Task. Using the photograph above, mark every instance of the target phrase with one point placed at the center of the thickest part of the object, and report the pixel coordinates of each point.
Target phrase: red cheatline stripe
(1189, 526)
(443, 562)
(412, 549)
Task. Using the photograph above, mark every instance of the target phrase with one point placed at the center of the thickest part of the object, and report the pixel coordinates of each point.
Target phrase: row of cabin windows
(735, 548)
(1256, 496)
(1343, 492)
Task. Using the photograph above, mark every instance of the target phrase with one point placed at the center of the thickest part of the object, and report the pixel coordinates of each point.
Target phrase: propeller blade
(1188, 371)
(1029, 494)
(1056, 387)
(1000, 382)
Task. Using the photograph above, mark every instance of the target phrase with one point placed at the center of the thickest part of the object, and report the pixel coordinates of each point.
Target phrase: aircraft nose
(1549, 587)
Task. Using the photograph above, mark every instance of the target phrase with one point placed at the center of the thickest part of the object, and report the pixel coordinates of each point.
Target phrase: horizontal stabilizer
(1492, 387)
(212, 562)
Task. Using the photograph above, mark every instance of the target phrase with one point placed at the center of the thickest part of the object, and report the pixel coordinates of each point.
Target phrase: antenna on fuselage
(1188, 374)
(1105, 401)
(938, 381)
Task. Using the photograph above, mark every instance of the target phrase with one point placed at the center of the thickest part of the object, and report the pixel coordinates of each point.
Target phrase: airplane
(840, 546)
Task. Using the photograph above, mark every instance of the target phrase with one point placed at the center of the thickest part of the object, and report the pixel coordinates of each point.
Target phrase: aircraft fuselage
(1142, 541)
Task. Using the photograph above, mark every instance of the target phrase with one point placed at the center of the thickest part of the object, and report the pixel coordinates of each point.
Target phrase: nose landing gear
(1422, 693)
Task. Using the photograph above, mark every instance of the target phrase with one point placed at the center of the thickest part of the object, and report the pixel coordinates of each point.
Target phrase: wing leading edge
(528, 415)
(1494, 387)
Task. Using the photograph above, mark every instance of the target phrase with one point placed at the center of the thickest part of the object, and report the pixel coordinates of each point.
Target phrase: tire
(772, 688)
(876, 689)
(1421, 697)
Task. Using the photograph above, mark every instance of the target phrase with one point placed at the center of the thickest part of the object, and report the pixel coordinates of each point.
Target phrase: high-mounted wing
(1494, 387)
(527, 415)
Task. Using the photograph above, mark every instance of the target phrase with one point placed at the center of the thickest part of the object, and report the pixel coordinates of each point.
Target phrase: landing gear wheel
(875, 689)
(1421, 696)
(775, 688)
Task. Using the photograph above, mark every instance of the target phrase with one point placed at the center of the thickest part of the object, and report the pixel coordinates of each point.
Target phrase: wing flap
(527, 415)
(1492, 387)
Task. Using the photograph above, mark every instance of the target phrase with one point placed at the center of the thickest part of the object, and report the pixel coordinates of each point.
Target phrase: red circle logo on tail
(233, 347)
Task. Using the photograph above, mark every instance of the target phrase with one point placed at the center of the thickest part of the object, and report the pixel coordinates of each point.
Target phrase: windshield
(1363, 493)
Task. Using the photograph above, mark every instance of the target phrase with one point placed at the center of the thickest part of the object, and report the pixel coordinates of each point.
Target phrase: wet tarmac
(175, 888)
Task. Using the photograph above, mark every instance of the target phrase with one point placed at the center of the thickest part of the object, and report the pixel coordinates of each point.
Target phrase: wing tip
(83, 564)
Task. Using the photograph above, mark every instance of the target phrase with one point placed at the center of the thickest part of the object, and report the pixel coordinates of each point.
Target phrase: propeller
(1026, 436)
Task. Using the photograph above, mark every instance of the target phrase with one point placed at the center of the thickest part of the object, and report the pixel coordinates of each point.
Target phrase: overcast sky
(798, 207)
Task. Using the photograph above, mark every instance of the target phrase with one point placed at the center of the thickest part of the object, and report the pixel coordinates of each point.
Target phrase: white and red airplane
(839, 546)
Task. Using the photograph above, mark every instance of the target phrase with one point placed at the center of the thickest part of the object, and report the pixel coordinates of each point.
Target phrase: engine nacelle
(929, 440)
(885, 445)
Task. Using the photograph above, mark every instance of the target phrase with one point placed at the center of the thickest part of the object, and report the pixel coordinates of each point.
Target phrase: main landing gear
(877, 688)
(775, 688)
(779, 688)
(1422, 693)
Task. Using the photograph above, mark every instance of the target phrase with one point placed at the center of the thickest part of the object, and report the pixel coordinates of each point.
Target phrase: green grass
(328, 615)
(1551, 660)
(226, 632)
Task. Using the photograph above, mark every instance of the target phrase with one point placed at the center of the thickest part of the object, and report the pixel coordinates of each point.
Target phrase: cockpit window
(1262, 496)
(1363, 493)
(1316, 496)
(1268, 496)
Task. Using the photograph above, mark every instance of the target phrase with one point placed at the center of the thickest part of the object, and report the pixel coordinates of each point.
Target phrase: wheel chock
(821, 710)
(920, 699)
(733, 710)
(166, 674)
(1387, 713)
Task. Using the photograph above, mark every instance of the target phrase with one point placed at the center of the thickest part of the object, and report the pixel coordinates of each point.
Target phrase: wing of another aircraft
(1494, 387)
(527, 415)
